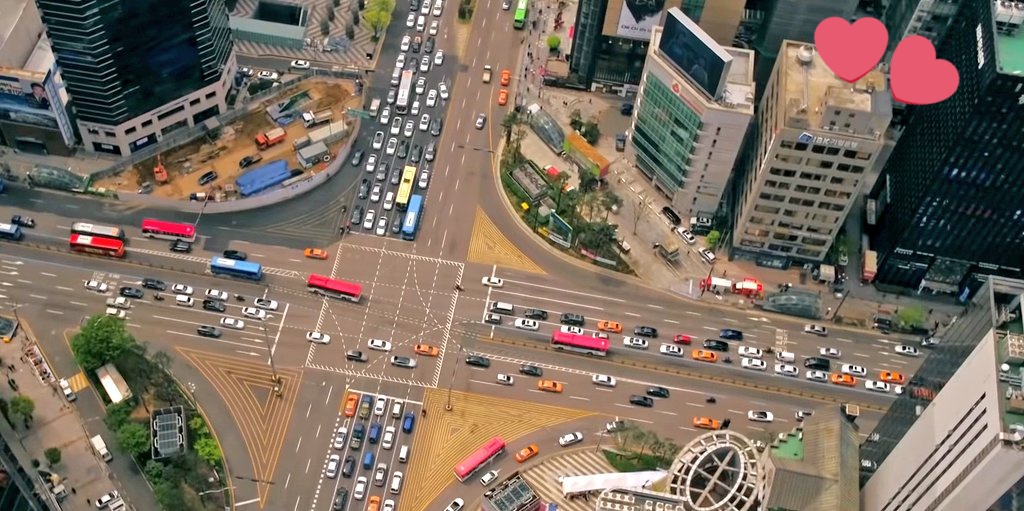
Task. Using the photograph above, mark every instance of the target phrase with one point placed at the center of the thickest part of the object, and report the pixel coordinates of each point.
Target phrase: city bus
(97, 245)
(10, 232)
(411, 224)
(232, 268)
(404, 91)
(101, 231)
(152, 228)
(586, 344)
(480, 458)
(332, 288)
(405, 188)
(520, 20)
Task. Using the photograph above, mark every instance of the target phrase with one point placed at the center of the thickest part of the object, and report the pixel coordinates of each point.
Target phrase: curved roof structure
(719, 471)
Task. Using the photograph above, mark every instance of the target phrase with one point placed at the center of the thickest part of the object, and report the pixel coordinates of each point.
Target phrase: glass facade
(124, 58)
(664, 134)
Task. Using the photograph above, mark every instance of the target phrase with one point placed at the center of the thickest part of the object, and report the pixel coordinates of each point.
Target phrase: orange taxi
(844, 379)
(506, 76)
(503, 97)
(351, 403)
(527, 453)
(316, 253)
(892, 377)
(705, 355)
(609, 326)
(550, 386)
(374, 504)
(426, 349)
(706, 423)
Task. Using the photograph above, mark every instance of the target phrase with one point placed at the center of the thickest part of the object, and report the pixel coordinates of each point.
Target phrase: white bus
(404, 91)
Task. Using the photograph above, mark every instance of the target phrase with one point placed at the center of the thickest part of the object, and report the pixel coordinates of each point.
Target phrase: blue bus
(413, 212)
(233, 268)
(10, 232)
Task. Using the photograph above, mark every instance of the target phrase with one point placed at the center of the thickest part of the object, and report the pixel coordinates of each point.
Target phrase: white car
(489, 478)
(415, 108)
(425, 10)
(117, 313)
(375, 194)
(371, 163)
(424, 181)
(105, 500)
(819, 376)
(569, 329)
(406, 41)
(392, 146)
(378, 141)
(421, 85)
(359, 491)
(434, 26)
(830, 352)
(569, 439)
(388, 440)
(671, 350)
(760, 416)
(254, 313)
(604, 380)
(300, 64)
(182, 289)
(442, 89)
(65, 387)
(425, 122)
(333, 462)
(411, 20)
(236, 324)
(371, 215)
(707, 255)
(527, 324)
(439, 58)
(456, 504)
(481, 121)
(267, 75)
(339, 438)
(853, 370)
(492, 282)
(906, 350)
(754, 364)
(410, 128)
(425, 64)
(436, 11)
(95, 285)
(897, 389)
(396, 125)
(814, 329)
(389, 201)
(687, 236)
(635, 342)
(421, 23)
(389, 505)
(505, 379)
(877, 386)
(750, 351)
(216, 294)
(432, 98)
(266, 304)
(385, 115)
(787, 370)
(382, 226)
(379, 344)
(318, 337)
(381, 406)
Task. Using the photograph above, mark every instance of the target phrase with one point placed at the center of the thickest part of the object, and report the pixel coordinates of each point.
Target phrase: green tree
(117, 415)
(23, 407)
(52, 455)
(378, 20)
(169, 495)
(712, 240)
(133, 439)
(208, 450)
(575, 118)
(350, 31)
(330, 15)
(154, 470)
(336, 3)
(590, 132)
(912, 316)
(102, 340)
(325, 27)
(198, 426)
(509, 123)
(554, 42)
(609, 201)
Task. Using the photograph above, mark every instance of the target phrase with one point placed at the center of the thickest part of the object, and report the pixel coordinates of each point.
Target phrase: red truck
(270, 138)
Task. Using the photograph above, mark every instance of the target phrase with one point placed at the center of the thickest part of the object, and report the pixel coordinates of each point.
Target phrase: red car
(682, 339)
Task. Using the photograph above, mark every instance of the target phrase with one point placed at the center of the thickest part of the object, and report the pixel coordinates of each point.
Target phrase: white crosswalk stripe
(544, 478)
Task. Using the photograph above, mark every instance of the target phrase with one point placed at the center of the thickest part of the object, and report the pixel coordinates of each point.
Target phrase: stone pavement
(81, 163)
(544, 477)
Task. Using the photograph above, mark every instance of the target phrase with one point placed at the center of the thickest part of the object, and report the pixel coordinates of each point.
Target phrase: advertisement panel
(694, 53)
(635, 19)
(33, 98)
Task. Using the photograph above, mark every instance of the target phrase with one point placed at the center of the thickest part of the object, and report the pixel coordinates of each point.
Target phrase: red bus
(340, 289)
(586, 344)
(96, 245)
(479, 458)
(102, 231)
(152, 228)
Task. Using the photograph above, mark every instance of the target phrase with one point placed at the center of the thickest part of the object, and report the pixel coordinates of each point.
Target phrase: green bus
(520, 19)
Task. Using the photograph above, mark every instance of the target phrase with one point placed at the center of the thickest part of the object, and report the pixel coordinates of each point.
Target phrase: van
(403, 454)
(503, 308)
(368, 460)
(396, 409)
(396, 77)
(375, 430)
(396, 483)
(184, 301)
(785, 356)
(421, 23)
(374, 106)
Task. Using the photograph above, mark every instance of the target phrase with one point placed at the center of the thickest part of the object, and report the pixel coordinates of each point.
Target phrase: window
(800, 146)
(129, 131)
(832, 151)
(211, 94)
(194, 102)
(857, 169)
(787, 158)
(176, 110)
(786, 144)
(789, 213)
(147, 123)
(806, 252)
(780, 248)
(844, 167)
(811, 177)
(781, 236)
(820, 230)
(836, 180)
(753, 231)
(751, 243)
(109, 134)
(814, 242)
(818, 149)
(760, 208)
(849, 154)
(756, 220)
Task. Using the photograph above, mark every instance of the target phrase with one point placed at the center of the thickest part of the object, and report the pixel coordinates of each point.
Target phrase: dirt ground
(187, 162)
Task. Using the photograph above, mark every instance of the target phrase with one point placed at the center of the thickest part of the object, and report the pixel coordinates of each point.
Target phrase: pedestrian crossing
(353, 53)
(78, 381)
(543, 478)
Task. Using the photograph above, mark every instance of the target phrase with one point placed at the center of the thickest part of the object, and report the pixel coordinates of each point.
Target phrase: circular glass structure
(718, 471)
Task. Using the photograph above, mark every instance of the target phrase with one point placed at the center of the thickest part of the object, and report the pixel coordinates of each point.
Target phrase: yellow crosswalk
(78, 381)
(489, 246)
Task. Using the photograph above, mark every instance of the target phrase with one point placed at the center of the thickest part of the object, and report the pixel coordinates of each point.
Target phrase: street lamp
(273, 369)
(206, 201)
(448, 404)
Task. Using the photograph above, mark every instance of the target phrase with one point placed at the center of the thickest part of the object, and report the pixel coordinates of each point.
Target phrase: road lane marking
(862, 355)
(211, 339)
(54, 312)
(40, 297)
(23, 281)
(588, 295)
(535, 297)
(48, 274)
(632, 314)
(581, 398)
(686, 428)
(693, 313)
(655, 306)
(843, 339)
(737, 411)
(694, 404)
(62, 288)
(667, 413)
(713, 329)
(672, 321)
(731, 320)
(80, 304)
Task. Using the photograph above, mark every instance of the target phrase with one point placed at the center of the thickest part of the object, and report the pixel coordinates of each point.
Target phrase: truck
(669, 249)
(270, 138)
(313, 154)
(374, 106)
(487, 74)
(327, 134)
(310, 118)
(101, 448)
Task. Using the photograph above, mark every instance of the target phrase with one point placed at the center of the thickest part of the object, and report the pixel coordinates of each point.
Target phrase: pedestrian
(87, 502)
(723, 272)
(74, 491)
(930, 311)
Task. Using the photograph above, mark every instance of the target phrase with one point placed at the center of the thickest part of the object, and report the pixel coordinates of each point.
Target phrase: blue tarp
(261, 178)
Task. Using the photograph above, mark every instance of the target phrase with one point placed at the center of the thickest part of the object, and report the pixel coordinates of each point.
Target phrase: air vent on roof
(1015, 349)
(806, 55)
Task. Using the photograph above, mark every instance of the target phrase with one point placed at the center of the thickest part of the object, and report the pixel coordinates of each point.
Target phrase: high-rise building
(695, 102)
(805, 159)
(136, 71)
(954, 439)
(948, 208)
(927, 18)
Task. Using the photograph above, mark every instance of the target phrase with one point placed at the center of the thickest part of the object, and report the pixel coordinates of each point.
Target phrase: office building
(137, 71)
(688, 128)
(927, 18)
(948, 208)
(611, 37)
(954, 439)
(805, 159)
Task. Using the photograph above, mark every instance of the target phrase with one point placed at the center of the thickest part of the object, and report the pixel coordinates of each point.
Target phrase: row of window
(756, 220)
(797, 201)
(807, 252)
(812, 190)
(829, 151)
(149, 122)
(820, 218)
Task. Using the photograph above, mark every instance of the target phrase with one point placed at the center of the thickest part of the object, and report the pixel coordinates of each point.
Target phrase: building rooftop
(10, 13)
(739, 84)
(1009, 38)
(513, 494)
(1009, 345)
(621, 499)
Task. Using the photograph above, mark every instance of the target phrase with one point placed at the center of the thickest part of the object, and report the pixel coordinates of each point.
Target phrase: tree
(712, 240)
(52, 455)
(911, 316)
(102, 340)
(509, 123)
(330, 15)
(355, 14)
(638, 212)
(133, 439)
(325, 27)
(117, 415)
(350, 31)
(610, 201)
(154, 470)
(198, 426)
(336, 3)
(575, 119)
(554, 42)
(208, 450)
(23, 407)
(378, 20)
(590, 132)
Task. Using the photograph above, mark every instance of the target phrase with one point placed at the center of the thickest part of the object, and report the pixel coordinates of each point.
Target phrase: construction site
(291, 134)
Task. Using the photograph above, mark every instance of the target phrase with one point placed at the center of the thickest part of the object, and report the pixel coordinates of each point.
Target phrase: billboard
(34, 98)
(635, 19)
(694, 53)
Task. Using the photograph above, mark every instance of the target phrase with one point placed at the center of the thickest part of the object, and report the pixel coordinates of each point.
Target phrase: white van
(421, 23)
(374, 106)
(785, 356)
(396, 409)
(502, 308)
(403, 454)
(184, 301)
(396, 77)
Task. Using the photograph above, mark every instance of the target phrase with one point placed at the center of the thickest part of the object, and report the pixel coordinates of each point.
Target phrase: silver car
(375, 194)
(371, 215)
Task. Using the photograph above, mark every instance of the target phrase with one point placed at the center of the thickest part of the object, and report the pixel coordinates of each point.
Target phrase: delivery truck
(270, 138)
(487, 74)
(327, 134)
(310, 119)
(101, 448)
(313, 154)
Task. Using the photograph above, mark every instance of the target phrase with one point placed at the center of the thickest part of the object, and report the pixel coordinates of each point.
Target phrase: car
(646, 331)
(391, 147)
(382, 226)
(426, 350)
(435, 127)
(682, 339)
(815, 375)
(396, 125)
(181, 246)
(686, 235)
(396, 224)
(428, 46)
(754, 364)
(415, 155)
(502, 97)
(830, 352)
(359, 491)
(570, 439)
(819, 330)
(492, 318)
(315, 253)
(569, 329)
(65, 387)
(385, 117)
(800, 415)
(357, 214)
(431, 151)
(506, 76)
(706, 423)
(527, 324)
(410, 128)
(897, 389)
(731, 334)
(436, 11)
(643, 401)
(158, 285)
(267, 75)
(300, 64)
(357, 157)
(456, 504)
(97, 286)
(389, 201)
(406, 41)
(421, 23)
(356, 356)
(492, 281)
(478, 361)
(609, 326)
(704, 355)
(431, 98)
(249, 160)
(340, 436)
(505, 379)
(489, 478)
(425, 64)
(481, 121)
(424, 122)
(405, 362)
(254, 313)
(182, 289)
(671, 350)
(635, 343)
(333, 464)
(215, 294)
(207, 178)
(318, 337)
(907, 350)
(853, 370)
(604, 380)
(760, 416)
(716, 345)
(656, 391)
(787, 370)
(380, 406)
(341, 496)
(892, 377)
(403, 149)
(550, 386)
(266, 304)
(527, 453)
(379, 344)
(131, 292)
(707, 255)
(531, 370)
(105, 500)
(536, 314)
(439, 58)
(371, 215)
(415, 108)
(411, 20)
(877, 386)
(843, 379)
(378, 141)
(231, 323)
(750, 351)
(236, 255)
(351, 403)
(442, 90)
(214, 305)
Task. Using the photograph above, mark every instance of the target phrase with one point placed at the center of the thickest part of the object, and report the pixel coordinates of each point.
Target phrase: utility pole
(273, 368)
(448, 404)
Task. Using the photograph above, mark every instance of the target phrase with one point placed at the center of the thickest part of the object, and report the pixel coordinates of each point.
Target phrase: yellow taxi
(609, 326)
(502, 97)
(426, 349)
(527, 453)
(550, 386)
(844, 379)
(316, 253)
(351, 403)
(374, 504)
(892, 377)
(506, 76)
(705, 355)
(706, 423)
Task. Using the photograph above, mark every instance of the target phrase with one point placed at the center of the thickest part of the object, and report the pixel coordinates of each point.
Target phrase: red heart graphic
(850, 51)
(917, 77)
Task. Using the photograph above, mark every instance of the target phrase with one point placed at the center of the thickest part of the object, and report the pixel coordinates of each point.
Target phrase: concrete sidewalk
(82, 163)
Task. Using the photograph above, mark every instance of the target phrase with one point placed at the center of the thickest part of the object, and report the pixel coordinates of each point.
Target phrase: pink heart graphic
(917, 77)
(850, 51)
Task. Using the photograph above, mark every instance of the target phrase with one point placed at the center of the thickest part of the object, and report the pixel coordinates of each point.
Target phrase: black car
(237, 255)
(357, 157)
(716, 345)
(249, 160)
(646, 331)
(819, 363)
(626, 109)
(643, 401)
(214, 305)
(396, 176)
(417, 42)
(23, 221)
(357, 215)
(158, 285)
(208, 331)
(671, 215)
(403, 149)
(181, 246)
(571, 318)
(416, 154)
(731, 334)
(435, 127)
(530, 370)
(355, 356)
(657, 391)
(208, 178)
(131, 292)
(364, 189)
(340, 499)
(396, 225)
(429, 46)
(478, 361)
(349, 466)
(536, 314)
